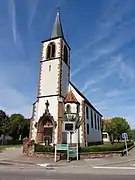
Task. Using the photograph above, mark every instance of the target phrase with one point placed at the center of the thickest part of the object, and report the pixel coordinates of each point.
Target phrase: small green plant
(43, 148)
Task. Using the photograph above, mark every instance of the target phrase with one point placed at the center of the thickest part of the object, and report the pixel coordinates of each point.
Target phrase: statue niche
(45, 127)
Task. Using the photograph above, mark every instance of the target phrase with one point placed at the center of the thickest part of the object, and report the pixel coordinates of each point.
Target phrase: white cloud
(104, 73)
(13, 101)
(12, 97)
(111, 37)
(16, 35)
(125, 71)
(113, 93)
(33, 4)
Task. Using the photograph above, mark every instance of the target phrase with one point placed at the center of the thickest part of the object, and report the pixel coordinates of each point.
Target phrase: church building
(57, 95)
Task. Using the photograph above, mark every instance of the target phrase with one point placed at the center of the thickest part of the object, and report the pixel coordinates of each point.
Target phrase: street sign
(61, 147)
(124, 136)
(68, 126)
(72, 152)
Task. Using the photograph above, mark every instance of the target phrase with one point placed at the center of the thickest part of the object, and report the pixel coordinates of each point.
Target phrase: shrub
(93, 148)
(105, 147)
(42, 148)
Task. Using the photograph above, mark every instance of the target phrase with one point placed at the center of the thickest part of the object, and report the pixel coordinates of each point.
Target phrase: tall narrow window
(87, 112)
(68, 109)
(98, 122)
(88, 129)
(49, 67)
(51, 51)
(65, 54)
(91, 119)
(95, 120)
(78, 108)
(48, 51)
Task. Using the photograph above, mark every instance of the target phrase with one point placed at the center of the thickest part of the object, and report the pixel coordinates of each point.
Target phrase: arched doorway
(45, 128)
(48, 132)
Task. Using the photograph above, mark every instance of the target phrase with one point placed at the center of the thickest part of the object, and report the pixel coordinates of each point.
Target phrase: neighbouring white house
(57, 95)
(106, 138)
(105, 135)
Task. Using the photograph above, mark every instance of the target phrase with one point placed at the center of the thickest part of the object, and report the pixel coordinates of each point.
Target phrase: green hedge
(93, 148)
(42, 148)
(105, 147)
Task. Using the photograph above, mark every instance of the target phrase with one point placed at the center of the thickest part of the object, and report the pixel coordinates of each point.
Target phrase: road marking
(132, 164)
(122, 168)
(44, 165)
(47, 166)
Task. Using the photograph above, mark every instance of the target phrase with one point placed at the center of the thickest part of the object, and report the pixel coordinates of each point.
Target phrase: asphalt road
(37, 173)
(55, 176)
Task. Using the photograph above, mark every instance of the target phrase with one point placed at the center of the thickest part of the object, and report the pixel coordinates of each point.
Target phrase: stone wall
(62, 156)
(47, 155)
(28, 147)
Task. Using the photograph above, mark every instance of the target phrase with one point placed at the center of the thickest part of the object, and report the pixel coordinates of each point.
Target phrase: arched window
(65, 54)
(51, 51)
(48, 51)
(68, 109)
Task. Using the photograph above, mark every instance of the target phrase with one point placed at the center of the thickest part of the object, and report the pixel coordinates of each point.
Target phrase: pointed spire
(57, 27)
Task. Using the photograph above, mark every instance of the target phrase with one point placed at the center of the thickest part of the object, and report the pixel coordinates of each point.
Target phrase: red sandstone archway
(45, 129)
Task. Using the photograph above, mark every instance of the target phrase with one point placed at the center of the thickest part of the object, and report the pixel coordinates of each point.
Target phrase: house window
(78, 108)
(49, 67)
(68, 109)
(65, 54)
(88, 129)
(51, 50)
(95, 121)
(87, 112)
(100, 123)
(91, 119)
(98, 119)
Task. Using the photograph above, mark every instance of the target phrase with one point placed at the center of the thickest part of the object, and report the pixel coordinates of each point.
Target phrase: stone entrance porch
(46, 128)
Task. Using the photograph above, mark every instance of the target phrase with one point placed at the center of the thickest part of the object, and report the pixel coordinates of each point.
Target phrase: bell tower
(54, 75)
(54, 63)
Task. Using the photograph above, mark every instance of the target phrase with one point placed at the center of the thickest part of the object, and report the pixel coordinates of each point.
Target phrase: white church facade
(57, 95)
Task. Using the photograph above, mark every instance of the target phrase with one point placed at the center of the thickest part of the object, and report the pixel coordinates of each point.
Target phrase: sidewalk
(15, 155)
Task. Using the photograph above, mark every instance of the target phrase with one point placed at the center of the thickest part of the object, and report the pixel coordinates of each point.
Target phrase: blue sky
(101, 35)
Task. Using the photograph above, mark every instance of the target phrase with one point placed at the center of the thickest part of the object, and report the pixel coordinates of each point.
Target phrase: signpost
(68, 127)
(73, 151)
(61, 147)
(125, 137)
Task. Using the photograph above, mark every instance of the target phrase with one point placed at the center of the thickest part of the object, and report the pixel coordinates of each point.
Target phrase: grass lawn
(2, 147)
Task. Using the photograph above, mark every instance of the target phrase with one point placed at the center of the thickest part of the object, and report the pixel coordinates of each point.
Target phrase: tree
(115, 127)
(19, 126)
(133, 134)
(4, 122)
